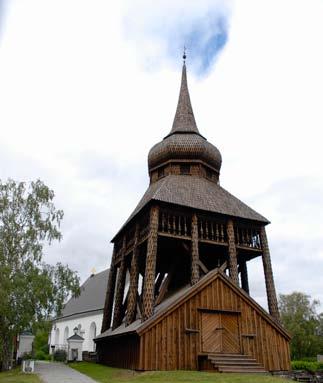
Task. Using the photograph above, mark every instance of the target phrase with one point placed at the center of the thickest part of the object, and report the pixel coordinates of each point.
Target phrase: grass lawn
(106, 374)
(16, 376)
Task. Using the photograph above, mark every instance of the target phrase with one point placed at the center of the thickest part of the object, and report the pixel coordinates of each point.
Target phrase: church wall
(174, 341)
(86, 332)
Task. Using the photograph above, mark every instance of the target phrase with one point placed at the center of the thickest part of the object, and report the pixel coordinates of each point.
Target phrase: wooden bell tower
(185, 230)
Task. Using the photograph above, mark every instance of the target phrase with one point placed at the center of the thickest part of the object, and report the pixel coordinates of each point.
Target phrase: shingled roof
(92, 296)
(197, 193)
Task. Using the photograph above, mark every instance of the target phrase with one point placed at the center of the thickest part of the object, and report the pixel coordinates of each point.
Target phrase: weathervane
(184, 54)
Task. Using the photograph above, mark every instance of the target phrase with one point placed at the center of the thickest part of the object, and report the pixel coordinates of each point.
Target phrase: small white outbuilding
(74, 350)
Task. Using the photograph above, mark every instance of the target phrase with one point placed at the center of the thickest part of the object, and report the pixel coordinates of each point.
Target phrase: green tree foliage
(30, 290)
(299, 316)
(41, 331)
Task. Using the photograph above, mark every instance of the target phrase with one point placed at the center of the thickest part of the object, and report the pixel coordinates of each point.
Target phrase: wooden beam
(186, 246)
(139, 304)
(269, 278)
(233, 266)
(244, 276)
(150, 269)
(164, 287)
(159, 282)
(224, 266)
(134, 275)
(195, 271)
(117, 315)
(107, 314)
(203, 267)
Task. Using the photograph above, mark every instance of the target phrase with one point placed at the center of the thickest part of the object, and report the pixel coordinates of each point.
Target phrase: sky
(88, 87)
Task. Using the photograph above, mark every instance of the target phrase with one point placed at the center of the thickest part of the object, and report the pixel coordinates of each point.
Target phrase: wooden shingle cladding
(195, 192)
(174, 338)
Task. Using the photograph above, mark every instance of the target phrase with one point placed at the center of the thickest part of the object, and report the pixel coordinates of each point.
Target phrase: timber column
(150, 270)
(106, 322)
(233, 266)
(244, 276)
(269, 278)
(134, 274)
(195, 272)
(117, 315)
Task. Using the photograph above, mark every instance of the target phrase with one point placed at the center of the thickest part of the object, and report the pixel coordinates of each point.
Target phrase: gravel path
(60, 373)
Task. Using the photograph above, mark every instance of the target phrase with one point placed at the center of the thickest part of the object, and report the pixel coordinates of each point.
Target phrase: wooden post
(269, 278)
(244, 276)
(195, 272)
(134, 274)
(107, 314)
(233, 267)
(117, 315)
(150, 270)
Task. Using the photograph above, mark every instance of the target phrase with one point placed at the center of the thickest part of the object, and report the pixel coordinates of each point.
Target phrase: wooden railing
(175, 223)
(247, 237)
(212, 230)
(143, 226)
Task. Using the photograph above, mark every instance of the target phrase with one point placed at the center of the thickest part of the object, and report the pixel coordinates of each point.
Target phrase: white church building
(84, 312)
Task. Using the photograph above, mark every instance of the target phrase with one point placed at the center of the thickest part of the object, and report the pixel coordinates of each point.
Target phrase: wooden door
(220, 333)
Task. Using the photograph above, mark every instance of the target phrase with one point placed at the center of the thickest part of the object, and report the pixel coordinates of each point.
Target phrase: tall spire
(184, 120)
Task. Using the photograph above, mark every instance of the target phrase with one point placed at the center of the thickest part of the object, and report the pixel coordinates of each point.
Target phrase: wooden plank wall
(122, 351)
(170, 344)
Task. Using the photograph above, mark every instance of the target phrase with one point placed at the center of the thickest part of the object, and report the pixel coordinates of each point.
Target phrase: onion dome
(184, 143)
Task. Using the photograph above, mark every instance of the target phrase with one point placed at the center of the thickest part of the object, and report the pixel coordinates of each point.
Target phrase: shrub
(48, 357)
(27, 355)
(307, 366)
(40, 355)
(309, 359)
(60, 355)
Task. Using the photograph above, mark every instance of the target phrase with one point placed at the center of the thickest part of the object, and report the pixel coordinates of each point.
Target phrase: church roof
(91, 298)
(197, 193)
(75, 337)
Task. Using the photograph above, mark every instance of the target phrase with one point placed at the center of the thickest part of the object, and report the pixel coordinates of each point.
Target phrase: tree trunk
(6, 352)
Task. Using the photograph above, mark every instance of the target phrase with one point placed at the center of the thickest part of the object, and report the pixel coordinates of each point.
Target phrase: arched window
(92, 335)
(57, 337)
(66, 335)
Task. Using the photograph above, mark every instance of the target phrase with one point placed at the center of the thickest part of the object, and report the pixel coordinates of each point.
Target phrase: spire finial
(184, 54)
(184, 120)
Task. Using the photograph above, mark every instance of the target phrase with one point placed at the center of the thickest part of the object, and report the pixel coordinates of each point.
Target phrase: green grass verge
(104, 374)
(16, 376)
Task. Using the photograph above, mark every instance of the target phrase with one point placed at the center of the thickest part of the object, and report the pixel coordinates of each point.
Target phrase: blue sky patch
(160, 33)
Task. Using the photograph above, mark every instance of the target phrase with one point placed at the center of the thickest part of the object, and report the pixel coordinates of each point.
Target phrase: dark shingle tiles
(197, 193)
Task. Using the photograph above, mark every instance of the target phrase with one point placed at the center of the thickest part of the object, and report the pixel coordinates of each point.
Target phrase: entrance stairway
(235, 363)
